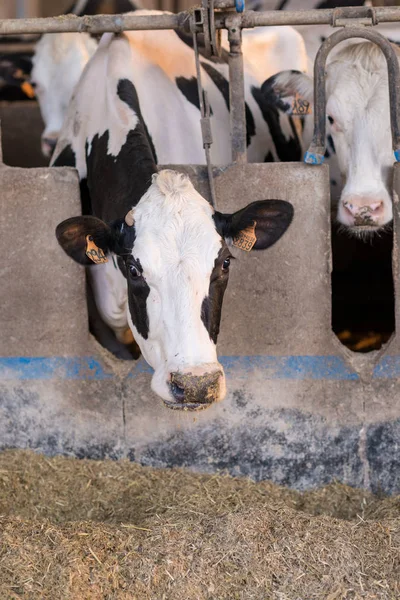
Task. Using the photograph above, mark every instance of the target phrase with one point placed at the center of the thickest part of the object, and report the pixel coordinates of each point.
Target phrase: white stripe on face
(176, 244)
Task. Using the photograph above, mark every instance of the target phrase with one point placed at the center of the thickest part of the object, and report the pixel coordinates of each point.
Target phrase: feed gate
(300, 409)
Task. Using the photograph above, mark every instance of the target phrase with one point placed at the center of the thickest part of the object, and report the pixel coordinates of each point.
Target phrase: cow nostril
(177, 392)
(376, 207)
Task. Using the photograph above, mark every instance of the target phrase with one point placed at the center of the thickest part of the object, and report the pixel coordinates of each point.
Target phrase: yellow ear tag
(300, 107)
(93, 252)
(28, 89)
(246, 238)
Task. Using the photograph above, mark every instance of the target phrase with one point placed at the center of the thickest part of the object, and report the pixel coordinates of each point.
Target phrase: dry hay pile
(80, 530)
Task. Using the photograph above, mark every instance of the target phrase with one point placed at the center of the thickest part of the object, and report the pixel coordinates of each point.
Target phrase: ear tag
(95, 253)
(27, 89)
(300, 107)
(246, 238)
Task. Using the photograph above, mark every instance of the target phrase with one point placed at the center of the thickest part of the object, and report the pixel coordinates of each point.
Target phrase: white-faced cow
(168, 254)
(58, 63)
(358, 120)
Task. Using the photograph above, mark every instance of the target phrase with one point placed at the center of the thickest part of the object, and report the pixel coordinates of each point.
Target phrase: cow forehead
(353, 90)
(174, 227)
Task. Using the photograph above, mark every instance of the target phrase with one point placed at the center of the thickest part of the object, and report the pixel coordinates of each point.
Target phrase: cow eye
(134, 271)
(226, 263)
(331, 120)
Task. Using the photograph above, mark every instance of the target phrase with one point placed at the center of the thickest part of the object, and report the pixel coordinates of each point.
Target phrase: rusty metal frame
(235, 22)
(97, 24)
(316, 151)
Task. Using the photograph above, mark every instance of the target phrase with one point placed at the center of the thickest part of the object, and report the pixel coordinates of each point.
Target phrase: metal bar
(251, 18)
(116, 23)
(92, 24)
(237, 105)
(316, 150)
(205, 124)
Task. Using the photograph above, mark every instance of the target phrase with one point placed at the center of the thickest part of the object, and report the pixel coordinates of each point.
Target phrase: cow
(60, 59)
(358, 120)
(16, 67)
(58, 63)
(168, 250)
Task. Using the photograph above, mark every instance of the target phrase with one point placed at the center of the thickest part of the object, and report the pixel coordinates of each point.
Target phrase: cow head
(58, 63)
(358, 120)
(173, 250)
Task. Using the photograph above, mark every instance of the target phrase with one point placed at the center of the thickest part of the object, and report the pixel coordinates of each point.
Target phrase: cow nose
(193, 392)
(364, 211)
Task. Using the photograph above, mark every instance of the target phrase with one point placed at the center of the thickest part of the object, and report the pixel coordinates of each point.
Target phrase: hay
(115, 530)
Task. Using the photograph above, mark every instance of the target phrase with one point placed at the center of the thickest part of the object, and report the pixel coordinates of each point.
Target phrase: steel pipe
(116, 23)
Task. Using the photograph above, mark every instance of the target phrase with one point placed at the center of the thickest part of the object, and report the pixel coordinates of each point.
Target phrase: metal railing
(128, 22)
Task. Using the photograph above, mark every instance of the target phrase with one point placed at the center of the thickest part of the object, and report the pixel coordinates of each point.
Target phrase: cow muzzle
(364, 213)
(191, 391)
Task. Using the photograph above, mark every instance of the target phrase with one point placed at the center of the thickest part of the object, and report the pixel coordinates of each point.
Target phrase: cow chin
(191, 388)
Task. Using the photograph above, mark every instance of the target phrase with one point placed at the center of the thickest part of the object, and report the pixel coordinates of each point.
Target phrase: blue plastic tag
(239, 5)
(313, 159)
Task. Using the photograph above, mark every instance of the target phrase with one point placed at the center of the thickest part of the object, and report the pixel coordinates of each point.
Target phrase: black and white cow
(60, 59)
(168, 250)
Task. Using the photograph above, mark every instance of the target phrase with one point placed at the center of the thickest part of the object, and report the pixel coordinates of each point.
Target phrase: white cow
(58, 63)
(359, 123)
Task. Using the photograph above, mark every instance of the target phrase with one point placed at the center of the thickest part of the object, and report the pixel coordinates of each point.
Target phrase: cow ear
(73, 235)
(257, 226)
(290, 91)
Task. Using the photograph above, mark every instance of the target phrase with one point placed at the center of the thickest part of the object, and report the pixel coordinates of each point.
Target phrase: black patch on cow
(66, 158)
(331, 143)
(223, 86)
(117, 183)
(339, 3)
(212, 304)
(281, 5)
(189, 89)
(127, 93)
(286, 149)
(138, 291)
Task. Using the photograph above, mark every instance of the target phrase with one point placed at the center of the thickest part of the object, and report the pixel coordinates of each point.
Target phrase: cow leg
(106, 300)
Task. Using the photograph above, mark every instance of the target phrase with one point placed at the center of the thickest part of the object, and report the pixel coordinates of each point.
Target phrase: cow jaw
(176, 247)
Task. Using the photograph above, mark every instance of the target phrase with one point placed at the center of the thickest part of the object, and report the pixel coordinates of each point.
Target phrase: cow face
(172, 249)
(358, 120)
(57, 65)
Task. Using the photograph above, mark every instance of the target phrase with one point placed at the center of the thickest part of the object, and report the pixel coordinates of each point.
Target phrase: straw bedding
(107, 530)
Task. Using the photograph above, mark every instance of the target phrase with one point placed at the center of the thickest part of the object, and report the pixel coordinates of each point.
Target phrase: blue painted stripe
(90, 368)
(55, 367)
(387, 368)
(290, 367)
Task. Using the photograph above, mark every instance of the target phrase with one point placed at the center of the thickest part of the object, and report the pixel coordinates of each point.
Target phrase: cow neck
(117, 183)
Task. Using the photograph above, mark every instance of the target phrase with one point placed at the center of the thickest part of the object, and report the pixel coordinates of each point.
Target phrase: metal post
(236, 91)
(316, 150)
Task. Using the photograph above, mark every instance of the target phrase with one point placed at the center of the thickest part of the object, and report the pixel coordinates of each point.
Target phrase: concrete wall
(300, 409)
